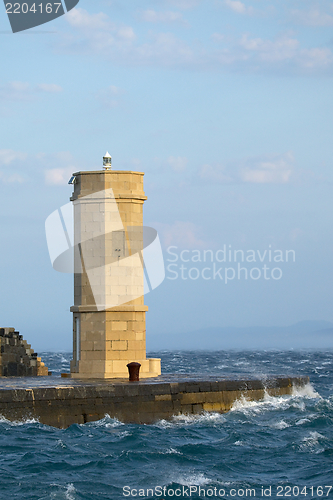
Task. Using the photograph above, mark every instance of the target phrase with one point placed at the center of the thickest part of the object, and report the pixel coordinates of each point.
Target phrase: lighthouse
(109, 315)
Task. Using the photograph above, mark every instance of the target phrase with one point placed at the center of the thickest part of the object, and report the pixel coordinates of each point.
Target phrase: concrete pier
(63, 402)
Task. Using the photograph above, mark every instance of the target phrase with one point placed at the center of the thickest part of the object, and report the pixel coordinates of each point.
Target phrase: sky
(226, 105)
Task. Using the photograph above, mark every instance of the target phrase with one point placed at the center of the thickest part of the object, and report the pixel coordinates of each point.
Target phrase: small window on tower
(118, 244)
(77, 338)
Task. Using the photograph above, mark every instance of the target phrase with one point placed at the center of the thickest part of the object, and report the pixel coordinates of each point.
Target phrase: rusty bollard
(133, 370)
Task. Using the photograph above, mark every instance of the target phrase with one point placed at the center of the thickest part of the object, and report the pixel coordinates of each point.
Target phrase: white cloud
(23, 91)
(58, 176)
(312, 17)
(278, 50)
(283, 51)
(153, 16)
(126, 33)
(95, 34)
(113, 89)
(18, 167)
(49, 87)
(238, 6)
(99, 27)
(168, 49)
(265, 175)
(61, 166)
(277, 170)
(14, 159)
(284, 54)
(274, 169)
(15, 91)
(119, 43)
(80, 18)
(178, 163)
(8, 156)
(11, 178)
(315, 58)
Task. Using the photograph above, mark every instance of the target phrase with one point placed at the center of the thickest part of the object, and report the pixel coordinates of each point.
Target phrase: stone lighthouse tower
(109, 325)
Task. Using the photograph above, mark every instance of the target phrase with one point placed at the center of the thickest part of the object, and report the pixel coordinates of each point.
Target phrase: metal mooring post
(133, 370)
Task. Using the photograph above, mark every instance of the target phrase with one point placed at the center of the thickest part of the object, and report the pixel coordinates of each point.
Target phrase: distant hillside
(304, 334)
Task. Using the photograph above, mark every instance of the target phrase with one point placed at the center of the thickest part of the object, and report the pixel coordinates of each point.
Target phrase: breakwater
(73, 401)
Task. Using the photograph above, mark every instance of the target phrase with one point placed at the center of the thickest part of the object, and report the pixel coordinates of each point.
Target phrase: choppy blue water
(285, 443)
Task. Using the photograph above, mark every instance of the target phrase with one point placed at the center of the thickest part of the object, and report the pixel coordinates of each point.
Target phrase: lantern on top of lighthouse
(107, 161)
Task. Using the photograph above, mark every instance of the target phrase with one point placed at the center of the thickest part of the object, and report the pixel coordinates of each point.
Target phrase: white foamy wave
(307, 391)
(243, 404)
(280, 425)
(107, 421)
(248, 406)
(192, 480)
(312, 442)
(190, 419)
(172, 451)
(4, 420)
(163, 424)
(70, 492)
(24, 421)
(303, 421)
(277, 402)
(61, 444)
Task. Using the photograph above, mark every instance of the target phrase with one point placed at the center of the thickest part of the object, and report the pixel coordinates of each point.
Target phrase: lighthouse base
(114, 369)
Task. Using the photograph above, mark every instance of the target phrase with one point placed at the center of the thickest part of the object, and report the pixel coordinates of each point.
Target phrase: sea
(280, 447)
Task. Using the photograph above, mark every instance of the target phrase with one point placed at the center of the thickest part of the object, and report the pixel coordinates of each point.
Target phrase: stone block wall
(17, 359)
(135, 402)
